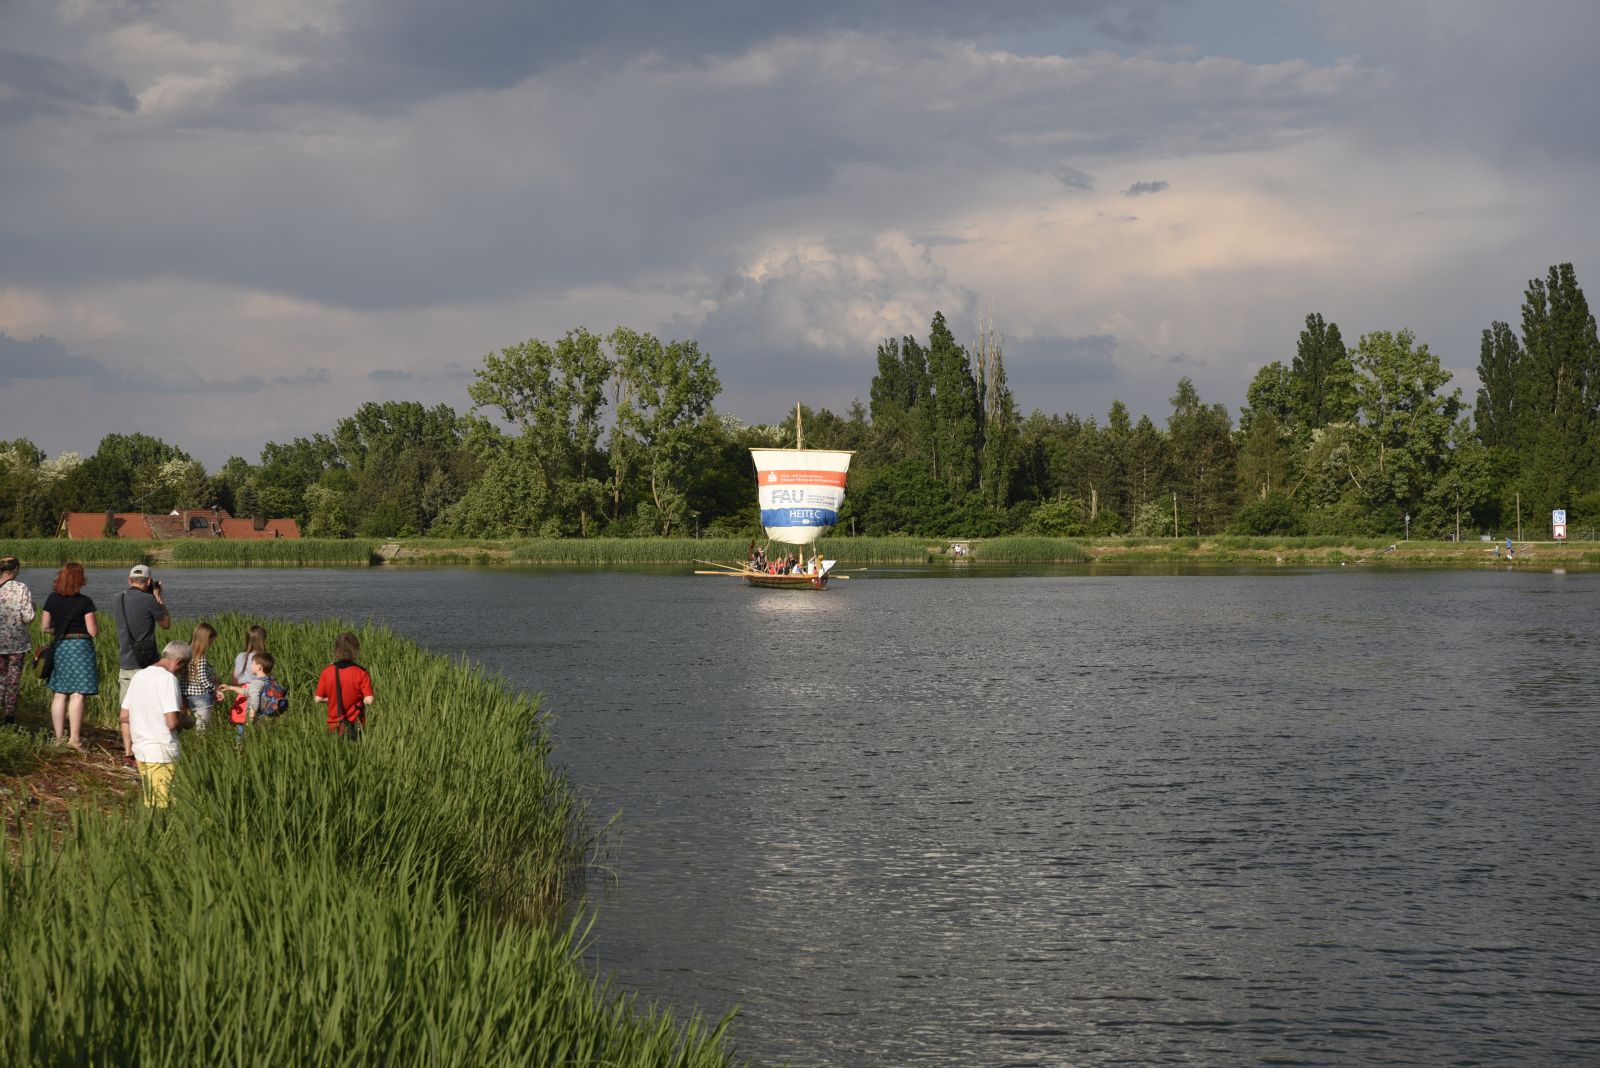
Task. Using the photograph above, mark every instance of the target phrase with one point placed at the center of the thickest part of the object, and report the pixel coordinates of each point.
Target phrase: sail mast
(799, 431)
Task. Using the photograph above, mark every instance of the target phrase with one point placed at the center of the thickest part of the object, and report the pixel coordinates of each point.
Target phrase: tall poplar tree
(1322, 376)
(955, 409)
(1559, 390)
(1001, 443)
(1499, 371)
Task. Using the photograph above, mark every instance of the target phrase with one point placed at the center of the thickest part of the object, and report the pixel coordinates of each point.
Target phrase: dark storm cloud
(1139, 189)
(32, 86)
(47, 358)
(1046, 362)
(1072, 177)
(43, 357)
(311, 376)
(612, 172)
(397, 51)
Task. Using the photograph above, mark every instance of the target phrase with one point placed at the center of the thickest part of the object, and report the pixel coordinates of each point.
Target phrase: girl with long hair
(69, 615)
(199, 680)
(255, 642)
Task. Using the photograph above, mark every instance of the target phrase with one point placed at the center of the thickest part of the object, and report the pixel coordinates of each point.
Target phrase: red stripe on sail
(810, 478)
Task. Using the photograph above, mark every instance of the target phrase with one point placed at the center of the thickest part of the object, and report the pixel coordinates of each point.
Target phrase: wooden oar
(724, 574)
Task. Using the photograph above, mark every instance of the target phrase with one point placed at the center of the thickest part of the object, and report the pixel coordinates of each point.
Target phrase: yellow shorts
(157, 780)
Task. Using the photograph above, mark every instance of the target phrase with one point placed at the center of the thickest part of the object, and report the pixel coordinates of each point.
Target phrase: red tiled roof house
(190, 523)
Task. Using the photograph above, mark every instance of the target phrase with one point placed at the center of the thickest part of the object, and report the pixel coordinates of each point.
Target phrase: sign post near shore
(1558, 524)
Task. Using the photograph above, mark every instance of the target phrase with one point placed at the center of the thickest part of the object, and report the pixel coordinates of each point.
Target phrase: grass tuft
(408, 900)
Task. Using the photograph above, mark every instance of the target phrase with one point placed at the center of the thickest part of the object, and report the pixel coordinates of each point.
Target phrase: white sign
(1560, 530)
(1558, 518)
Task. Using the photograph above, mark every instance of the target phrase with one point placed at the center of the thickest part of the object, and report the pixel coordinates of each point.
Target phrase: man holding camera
(137, 612)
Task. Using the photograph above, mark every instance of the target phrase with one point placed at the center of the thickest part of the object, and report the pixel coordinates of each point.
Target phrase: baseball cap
(139, 571)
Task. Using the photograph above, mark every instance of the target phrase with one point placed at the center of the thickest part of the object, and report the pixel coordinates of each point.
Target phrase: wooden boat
(800, 491)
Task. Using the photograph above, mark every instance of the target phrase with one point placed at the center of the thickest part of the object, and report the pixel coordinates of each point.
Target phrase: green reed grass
(1026, 550)
(53, 552)
(274, 552)
(407, 900)
(595, 551)
(21, 752)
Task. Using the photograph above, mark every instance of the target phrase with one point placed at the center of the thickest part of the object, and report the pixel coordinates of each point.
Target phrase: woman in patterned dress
(16, 612)
(75, 675)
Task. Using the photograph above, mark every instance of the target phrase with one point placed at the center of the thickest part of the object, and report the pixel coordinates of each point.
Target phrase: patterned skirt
(75, 670)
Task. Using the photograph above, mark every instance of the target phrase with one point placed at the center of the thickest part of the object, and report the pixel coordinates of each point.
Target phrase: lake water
(1341, 816)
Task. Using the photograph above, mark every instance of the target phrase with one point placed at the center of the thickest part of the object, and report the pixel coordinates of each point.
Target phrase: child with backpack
(346, 688)
(262, 696)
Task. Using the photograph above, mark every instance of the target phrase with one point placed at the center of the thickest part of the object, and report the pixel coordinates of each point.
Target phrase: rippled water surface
(1321, 817)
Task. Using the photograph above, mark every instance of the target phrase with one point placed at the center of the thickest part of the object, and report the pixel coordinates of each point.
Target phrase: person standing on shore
(137, 612)
(200, 681)
(346, 688)
(255, 641)
(16, 612)
(69, 616)
(152, 713)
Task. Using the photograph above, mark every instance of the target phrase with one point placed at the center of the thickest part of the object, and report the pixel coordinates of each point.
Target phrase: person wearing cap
(16, 612)
(137, 611)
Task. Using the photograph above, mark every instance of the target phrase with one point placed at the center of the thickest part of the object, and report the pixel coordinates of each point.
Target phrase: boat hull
(787, 582)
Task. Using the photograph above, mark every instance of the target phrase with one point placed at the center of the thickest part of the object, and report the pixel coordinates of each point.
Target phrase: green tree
(1205, 474)
(1321, 375)
(1149, 465)
(1558, 392)
(1499, 370)
(1266, 457)
(667, 390)
(555, 395)
(1000, 441)
(1271, 392)
(1409, 423)
(955, 409)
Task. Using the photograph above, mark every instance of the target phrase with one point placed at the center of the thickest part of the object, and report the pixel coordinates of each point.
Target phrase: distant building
(190, 523)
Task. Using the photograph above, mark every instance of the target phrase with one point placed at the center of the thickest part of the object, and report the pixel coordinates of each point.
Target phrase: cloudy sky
(227, 221)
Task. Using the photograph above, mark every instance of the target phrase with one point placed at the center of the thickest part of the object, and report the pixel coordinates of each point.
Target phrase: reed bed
(1025, 550)
(408, 900)
(855, 551)
(53, 552)
(275, 552)
(628, 550)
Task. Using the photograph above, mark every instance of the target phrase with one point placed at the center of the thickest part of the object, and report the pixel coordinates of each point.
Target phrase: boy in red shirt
(346, 688)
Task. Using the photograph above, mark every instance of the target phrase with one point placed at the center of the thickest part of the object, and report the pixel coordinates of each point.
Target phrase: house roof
(137, 525)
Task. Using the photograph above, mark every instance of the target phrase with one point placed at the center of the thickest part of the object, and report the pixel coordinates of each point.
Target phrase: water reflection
(1066, 818)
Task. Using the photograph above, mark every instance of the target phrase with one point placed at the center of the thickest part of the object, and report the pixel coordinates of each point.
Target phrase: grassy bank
(306, 901)
(854, 552)
(1324, 550)
(197, 552)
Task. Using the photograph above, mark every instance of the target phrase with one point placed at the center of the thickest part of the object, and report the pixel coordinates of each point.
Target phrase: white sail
(800, 491)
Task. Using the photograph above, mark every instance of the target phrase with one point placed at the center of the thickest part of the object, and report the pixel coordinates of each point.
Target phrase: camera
(154, 585)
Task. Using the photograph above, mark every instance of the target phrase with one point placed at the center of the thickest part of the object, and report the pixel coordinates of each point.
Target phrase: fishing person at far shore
(346, 688)
(152, 713)
(137, 611)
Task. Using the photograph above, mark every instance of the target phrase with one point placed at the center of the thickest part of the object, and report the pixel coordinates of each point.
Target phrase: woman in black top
(75, 675)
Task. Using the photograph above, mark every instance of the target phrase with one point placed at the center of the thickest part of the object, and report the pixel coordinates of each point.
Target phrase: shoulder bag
(44, 657)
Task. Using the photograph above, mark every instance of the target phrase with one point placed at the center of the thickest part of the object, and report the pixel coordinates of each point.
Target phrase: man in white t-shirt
(153, 711)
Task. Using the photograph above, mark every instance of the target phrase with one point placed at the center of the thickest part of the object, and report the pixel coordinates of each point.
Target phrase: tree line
(619, 436)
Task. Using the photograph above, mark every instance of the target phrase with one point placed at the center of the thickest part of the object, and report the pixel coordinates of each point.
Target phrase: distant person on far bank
(153, 714)
(16, 612)
(346, 688)
(137, 611)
